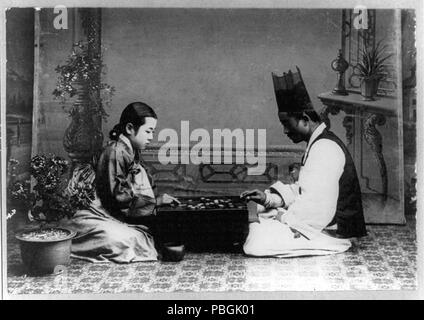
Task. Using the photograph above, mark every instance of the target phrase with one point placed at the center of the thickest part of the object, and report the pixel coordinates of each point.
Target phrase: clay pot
(45, 256)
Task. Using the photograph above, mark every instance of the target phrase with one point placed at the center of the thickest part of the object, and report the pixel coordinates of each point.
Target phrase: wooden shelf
(384, 105)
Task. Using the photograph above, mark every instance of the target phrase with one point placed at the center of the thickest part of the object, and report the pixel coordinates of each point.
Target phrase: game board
(205, 223)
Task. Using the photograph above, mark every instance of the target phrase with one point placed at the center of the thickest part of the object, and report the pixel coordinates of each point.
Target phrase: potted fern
(371, 67)
(46, 247)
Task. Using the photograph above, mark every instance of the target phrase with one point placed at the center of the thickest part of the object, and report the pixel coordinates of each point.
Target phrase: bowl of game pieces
(173, 251)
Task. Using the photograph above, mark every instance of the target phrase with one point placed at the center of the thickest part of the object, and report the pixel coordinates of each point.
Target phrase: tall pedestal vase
(83, 137)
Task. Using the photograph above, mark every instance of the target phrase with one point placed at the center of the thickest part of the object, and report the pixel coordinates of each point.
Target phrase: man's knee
(252, 249)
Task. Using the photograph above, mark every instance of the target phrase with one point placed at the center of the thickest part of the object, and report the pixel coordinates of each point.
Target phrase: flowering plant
(84, 67)
(47, 199)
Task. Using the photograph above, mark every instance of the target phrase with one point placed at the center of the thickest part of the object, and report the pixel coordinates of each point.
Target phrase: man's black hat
(291, 93)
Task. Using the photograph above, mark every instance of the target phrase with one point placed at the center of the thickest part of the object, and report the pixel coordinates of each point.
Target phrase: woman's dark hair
(135, 113)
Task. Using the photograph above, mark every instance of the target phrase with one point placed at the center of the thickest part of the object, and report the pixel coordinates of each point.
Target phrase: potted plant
(80, 79)
(45, 248)
(372, 69)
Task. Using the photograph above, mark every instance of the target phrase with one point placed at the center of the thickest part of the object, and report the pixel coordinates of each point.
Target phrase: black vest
(349, 213)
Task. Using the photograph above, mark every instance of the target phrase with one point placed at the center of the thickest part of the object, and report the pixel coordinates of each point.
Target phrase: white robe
(306, 208)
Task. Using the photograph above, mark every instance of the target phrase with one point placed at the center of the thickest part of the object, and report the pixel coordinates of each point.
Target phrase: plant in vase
(80, 79)
(371, 69)
(46, 248)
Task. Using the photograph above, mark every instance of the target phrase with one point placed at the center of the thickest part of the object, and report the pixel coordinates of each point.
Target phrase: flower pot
(45, 250)
(369, 87)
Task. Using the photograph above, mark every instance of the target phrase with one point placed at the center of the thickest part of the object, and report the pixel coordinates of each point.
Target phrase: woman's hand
(256, 195)
(166, 199)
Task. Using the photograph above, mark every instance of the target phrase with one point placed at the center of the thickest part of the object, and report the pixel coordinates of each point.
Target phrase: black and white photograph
(209, 149)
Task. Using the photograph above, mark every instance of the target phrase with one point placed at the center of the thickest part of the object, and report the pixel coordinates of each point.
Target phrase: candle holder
(340, 65)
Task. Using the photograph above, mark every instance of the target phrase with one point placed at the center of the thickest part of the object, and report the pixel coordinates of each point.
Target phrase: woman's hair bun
(115, 132)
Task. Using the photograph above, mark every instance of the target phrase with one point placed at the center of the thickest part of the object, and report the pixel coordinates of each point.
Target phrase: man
(318, 214)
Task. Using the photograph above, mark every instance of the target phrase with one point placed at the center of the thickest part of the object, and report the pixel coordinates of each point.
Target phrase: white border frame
(305, 4)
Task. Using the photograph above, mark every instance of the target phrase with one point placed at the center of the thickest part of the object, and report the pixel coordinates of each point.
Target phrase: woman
(117, 225)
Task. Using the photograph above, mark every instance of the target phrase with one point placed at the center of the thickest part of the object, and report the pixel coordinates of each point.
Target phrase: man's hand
(166, 199)
(279, 215)
(254, 195)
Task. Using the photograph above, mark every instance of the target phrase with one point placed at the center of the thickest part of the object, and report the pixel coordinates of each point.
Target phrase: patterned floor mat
(384, 260)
